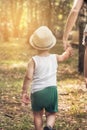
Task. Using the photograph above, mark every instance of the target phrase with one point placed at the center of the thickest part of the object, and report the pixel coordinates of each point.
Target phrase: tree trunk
(81, 48)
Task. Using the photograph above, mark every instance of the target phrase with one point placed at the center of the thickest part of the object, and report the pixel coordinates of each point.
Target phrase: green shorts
(45, 99)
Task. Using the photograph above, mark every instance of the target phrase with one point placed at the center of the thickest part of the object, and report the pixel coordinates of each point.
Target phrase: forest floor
(72, 99)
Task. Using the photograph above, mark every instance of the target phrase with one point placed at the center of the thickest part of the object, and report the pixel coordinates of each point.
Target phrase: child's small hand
(25, 99)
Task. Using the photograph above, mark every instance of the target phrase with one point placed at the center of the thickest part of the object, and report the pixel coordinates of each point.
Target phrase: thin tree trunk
(81, 49)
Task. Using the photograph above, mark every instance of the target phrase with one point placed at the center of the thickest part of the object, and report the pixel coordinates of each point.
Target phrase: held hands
(66, 44)
(69, 50)
(67, 47)
(25, 99)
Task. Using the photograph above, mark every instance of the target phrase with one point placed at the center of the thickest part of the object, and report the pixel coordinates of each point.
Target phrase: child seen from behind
(41, 75)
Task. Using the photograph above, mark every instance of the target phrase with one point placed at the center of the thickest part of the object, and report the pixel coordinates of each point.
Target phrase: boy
(42, 70)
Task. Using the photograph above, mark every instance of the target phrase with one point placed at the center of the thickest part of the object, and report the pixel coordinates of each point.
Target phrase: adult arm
(71, 20)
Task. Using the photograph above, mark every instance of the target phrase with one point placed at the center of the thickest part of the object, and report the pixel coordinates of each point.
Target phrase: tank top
(45, 72)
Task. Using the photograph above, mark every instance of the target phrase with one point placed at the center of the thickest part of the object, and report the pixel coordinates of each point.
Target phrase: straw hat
(42, 39)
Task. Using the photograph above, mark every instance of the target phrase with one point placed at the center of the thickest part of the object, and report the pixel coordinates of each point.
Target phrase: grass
(72, 113)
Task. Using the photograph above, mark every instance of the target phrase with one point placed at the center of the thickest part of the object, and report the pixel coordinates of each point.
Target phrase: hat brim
(42, 48)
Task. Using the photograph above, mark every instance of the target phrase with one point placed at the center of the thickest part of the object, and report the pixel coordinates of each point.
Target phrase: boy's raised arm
(65, 55)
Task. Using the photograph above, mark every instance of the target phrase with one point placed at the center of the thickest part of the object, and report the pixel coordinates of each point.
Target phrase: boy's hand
(25, 99)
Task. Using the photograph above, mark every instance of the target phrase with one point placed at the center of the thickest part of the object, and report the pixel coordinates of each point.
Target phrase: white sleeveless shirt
(45, 72)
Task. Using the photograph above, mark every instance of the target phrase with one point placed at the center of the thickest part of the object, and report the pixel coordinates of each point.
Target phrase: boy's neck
(43, 53)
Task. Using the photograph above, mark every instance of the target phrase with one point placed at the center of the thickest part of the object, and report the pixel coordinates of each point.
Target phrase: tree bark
(81, 48)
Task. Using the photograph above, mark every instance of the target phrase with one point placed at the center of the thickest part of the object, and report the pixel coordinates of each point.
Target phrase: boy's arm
(28, 76)
(65, 55)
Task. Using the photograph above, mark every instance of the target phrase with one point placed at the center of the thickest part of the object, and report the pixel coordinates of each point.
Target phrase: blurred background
(18, 20)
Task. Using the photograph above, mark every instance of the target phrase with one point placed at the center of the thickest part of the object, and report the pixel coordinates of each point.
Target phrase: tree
(82, 23)
(19, 18)
(16, 10)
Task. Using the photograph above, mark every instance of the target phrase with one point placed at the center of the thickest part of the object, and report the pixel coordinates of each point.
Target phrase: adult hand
(66, 44)
(70, 50)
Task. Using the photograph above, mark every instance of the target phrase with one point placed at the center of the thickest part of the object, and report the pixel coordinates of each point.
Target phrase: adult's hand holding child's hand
(70, 50)
(66, 44)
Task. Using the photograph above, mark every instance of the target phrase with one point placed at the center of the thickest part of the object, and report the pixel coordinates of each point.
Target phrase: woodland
(18, 19)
